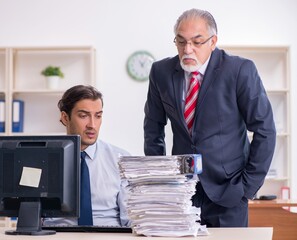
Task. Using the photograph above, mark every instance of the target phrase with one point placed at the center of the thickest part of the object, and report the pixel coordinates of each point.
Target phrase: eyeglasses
(181, 42)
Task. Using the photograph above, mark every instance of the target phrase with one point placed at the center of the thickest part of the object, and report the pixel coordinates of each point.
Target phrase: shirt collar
(90, 151)
(202, 69)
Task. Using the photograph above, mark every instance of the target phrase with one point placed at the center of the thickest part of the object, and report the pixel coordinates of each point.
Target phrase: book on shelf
(17, 115)
(2, 115)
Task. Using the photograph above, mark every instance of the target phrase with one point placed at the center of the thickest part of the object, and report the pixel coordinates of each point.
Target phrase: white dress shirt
(106, 191)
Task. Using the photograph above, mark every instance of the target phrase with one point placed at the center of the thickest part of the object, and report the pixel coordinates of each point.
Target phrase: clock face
(139, 65)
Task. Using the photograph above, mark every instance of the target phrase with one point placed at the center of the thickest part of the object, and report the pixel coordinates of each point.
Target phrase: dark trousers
(213, 215)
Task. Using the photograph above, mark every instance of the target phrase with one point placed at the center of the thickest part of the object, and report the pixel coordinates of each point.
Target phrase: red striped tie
(191, 100)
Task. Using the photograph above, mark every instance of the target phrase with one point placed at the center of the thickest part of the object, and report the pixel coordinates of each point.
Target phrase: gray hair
(197, 13)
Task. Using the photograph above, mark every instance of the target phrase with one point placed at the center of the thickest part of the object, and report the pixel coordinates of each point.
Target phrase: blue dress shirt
(106, 187)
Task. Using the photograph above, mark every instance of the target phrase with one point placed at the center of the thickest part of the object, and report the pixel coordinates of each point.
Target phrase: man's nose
(188, 48)
(91, 122)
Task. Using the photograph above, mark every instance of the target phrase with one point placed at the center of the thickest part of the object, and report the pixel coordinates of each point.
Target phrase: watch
(139, 65)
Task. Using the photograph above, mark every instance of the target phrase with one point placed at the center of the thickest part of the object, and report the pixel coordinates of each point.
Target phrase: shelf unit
(20, 78)
(273, 66)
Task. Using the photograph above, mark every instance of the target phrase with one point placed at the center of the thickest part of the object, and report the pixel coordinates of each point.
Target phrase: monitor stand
(29, 220)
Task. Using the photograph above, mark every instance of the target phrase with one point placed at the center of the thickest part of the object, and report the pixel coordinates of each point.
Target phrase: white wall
(118, 28)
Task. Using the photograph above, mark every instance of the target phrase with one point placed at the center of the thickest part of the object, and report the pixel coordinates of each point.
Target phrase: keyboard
(76, 228)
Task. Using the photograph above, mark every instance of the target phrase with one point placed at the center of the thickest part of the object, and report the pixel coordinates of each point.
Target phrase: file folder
(2, 115)
(17, 115)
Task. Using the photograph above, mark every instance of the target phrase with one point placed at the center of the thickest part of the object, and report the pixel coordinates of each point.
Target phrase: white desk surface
(264, 233)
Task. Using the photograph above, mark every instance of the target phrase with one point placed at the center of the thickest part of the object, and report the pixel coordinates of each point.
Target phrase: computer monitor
(39, 177)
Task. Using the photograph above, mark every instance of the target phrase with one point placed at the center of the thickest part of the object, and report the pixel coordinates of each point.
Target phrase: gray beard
(190, 68)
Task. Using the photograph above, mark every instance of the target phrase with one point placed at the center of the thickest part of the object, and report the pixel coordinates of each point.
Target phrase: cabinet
(20, 78)
(276, 214)
(273, 66)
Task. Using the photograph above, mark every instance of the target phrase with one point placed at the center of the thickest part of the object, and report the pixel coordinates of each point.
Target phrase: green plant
(52, 71)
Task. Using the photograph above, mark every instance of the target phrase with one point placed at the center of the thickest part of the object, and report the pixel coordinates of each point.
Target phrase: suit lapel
(208, 79)
(178, 81)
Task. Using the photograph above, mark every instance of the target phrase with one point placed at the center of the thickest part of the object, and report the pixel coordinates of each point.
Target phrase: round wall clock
(139, 65)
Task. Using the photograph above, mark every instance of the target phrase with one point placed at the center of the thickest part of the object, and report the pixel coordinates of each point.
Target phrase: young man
(81, 113)
(212, 99)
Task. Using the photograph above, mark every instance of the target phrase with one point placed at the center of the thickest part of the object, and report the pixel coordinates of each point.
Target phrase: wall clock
(139, 65)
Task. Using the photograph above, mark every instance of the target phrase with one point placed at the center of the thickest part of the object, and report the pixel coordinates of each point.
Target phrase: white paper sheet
(30, 177)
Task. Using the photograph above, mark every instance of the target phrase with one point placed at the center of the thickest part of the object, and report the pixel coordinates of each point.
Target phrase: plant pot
(52, 82)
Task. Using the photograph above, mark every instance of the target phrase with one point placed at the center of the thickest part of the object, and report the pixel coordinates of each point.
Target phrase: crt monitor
(39, 177)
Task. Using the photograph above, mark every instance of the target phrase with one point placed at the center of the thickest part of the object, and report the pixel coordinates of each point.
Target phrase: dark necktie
(86, 217)
(191, 100)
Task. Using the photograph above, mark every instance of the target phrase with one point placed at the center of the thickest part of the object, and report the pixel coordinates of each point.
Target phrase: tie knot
(194, 74)
(83, 155)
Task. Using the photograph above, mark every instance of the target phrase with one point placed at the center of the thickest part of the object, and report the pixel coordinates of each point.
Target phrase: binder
(2, 115)
(17, 115)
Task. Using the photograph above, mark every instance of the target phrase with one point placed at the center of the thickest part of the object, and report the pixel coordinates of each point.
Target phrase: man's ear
(214, 40)
(64, 118)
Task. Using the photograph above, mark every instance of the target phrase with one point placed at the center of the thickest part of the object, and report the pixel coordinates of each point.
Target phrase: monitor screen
(39, 177)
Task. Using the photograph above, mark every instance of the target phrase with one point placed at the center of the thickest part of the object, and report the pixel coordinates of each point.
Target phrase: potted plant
(53, 75)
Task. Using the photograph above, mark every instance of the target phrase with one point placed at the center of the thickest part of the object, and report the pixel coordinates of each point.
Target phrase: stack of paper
(159, 194)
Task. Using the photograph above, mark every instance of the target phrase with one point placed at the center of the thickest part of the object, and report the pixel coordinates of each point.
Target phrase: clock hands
(142, 63)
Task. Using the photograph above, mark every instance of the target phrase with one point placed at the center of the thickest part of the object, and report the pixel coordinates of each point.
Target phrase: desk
(215, 234)
(270, 213)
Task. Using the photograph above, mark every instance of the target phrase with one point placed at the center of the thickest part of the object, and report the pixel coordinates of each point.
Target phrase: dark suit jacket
(231, 101)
